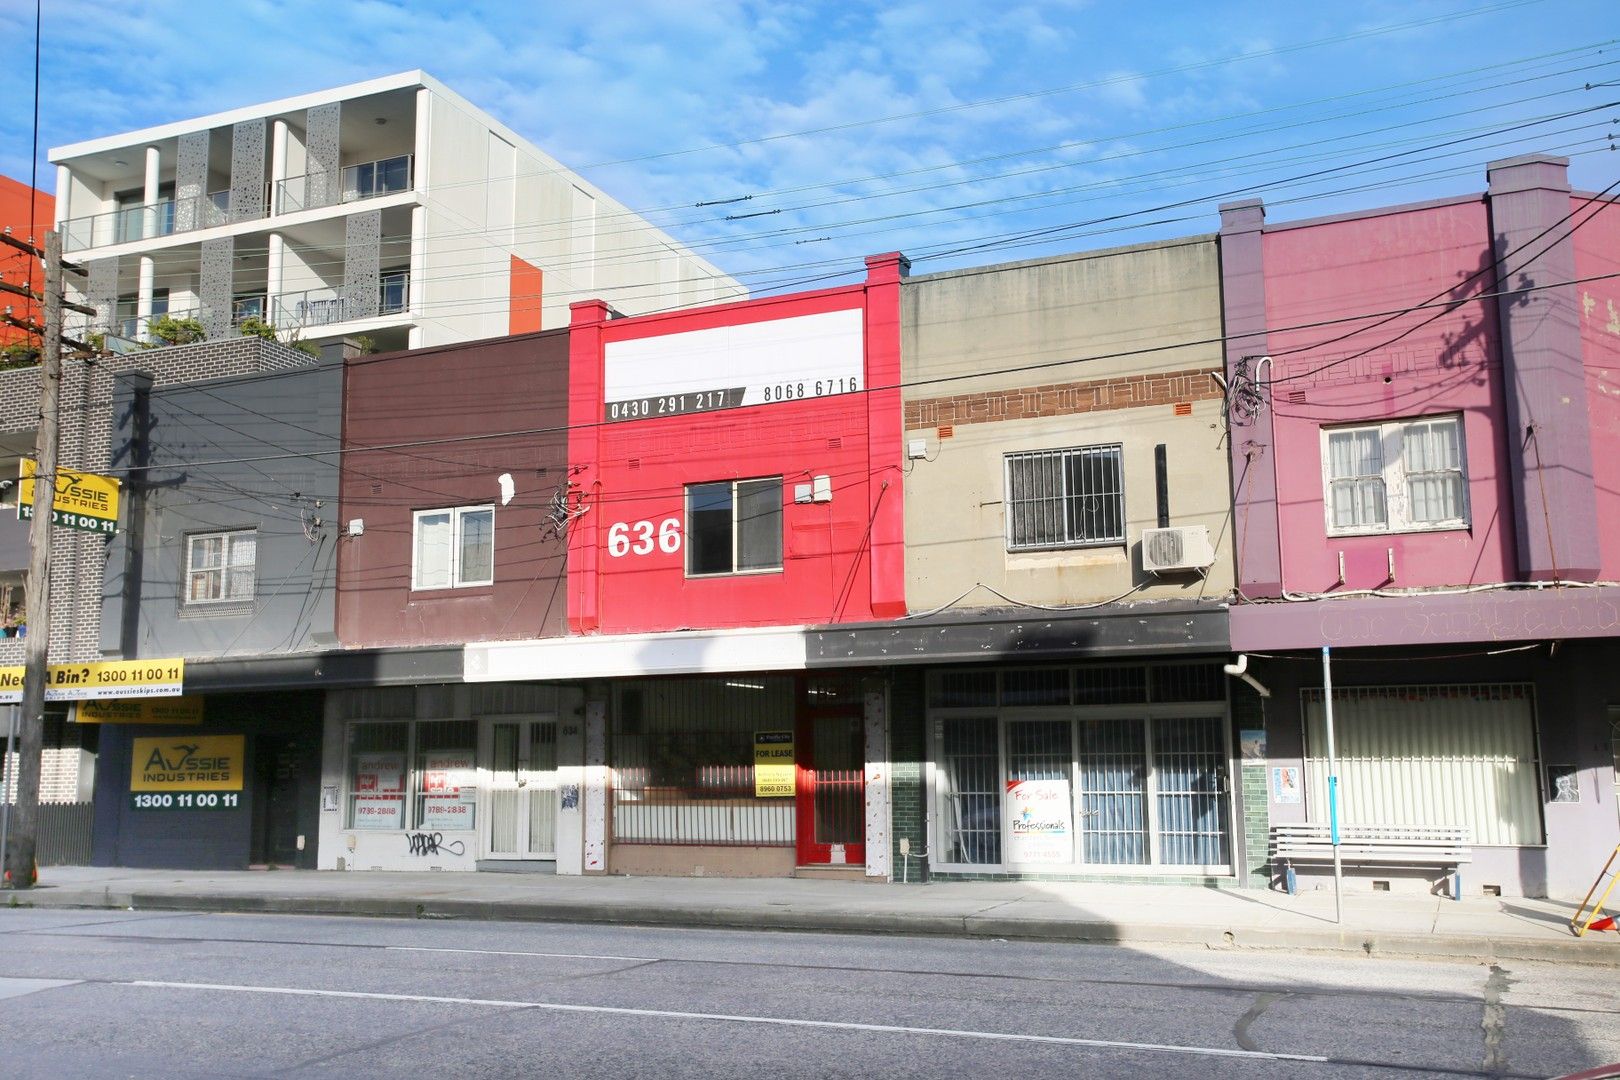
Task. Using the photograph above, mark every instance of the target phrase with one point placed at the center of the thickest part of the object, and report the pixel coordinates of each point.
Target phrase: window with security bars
(221, 567)
(1065, 498)
(1403, 476)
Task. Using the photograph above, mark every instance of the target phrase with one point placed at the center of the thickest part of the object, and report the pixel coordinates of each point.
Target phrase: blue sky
(961, 133)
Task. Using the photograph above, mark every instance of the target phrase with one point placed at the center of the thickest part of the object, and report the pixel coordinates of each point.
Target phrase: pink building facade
(1426, 467)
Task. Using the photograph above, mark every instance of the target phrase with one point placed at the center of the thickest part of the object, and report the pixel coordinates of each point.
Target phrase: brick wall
(78, 558)
(59, 774)
(1064, 399)
(1254, 824)
(907, 753)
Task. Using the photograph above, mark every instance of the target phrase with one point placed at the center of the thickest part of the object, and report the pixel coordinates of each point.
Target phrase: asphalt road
(131, 994)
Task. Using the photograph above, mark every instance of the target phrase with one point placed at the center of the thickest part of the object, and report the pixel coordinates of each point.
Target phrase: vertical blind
(1446, 755)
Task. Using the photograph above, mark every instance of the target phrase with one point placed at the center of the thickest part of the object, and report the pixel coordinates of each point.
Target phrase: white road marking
(770, 1021)
(11, 988)
(520, 952)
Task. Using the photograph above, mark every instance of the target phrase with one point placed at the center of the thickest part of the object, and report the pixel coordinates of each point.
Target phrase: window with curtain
(221, 567)
(1402, 476)
(453, 547)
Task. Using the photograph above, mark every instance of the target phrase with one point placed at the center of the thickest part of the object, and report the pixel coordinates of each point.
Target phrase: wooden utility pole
(19, 871)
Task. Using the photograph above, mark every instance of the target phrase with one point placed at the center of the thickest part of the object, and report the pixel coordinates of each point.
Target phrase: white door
(520, 815)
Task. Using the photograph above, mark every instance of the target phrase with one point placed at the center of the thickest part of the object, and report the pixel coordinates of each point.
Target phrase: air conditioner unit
(1183, 548)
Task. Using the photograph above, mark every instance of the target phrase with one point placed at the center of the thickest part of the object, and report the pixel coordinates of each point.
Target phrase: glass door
(521, 789)
(831, 787)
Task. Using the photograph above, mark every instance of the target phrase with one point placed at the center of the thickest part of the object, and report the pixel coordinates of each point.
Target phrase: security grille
(970, 761)
(1065, 498)
(682, 755)
(1113, 792)
(1190, 758)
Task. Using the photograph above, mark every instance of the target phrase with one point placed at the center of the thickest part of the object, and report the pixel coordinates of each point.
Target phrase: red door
(830, 751)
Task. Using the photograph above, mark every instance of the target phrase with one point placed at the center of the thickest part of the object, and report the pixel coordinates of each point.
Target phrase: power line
(935, 380)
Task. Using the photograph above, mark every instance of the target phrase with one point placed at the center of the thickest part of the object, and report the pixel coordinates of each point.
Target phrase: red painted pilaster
(887, 563)
(587, 319)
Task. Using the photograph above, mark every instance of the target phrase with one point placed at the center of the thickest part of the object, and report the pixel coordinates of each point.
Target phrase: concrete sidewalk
(1379, 924)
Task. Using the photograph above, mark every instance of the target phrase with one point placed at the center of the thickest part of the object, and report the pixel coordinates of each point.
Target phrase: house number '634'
(636, 537)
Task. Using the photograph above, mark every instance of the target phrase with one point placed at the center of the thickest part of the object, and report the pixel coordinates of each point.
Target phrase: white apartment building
(394, 209)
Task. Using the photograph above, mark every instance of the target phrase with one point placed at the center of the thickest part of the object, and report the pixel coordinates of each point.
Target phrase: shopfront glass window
(1113, 792)
(1040, 807)
(377, 767)
(971, 765)
(446, 780)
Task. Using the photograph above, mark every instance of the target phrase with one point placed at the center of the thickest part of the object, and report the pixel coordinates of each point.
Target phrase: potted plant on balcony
(169, 330)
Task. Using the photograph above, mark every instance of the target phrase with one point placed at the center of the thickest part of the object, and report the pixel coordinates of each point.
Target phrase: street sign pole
(1333, 785)
(5, 782)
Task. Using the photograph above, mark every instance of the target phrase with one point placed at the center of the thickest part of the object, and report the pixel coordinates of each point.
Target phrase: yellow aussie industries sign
(84, 500)
(101, 680)
(187, 763)
(773, 764)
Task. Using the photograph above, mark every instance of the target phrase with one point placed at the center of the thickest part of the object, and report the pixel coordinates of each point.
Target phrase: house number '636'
(636, 537)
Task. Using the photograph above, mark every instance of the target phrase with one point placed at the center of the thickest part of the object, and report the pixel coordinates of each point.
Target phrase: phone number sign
(732, 367)
(100, 680)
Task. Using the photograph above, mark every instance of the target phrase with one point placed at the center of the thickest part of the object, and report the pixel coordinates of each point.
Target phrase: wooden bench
(1444, 846)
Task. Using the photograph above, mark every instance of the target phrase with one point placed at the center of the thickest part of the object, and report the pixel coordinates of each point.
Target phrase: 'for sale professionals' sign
(187, 763)
(773, 764)
(83, 500)
(99, 680)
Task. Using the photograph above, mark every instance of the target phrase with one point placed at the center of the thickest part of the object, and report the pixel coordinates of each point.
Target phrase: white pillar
(594, 797)
(64, 187)
(272, 275)
(424, 114)
(149, 198)
(570, 782)
(879, 857)
(418, 286)
(278, 168)
(143, 302)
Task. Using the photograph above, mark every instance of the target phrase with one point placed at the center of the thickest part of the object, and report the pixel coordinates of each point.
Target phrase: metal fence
(64, 834)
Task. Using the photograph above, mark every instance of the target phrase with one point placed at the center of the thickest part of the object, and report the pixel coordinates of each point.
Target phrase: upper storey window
(1403, 476)
(1065, 498)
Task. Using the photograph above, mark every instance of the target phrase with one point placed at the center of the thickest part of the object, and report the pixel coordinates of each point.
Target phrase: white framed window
(453, 547)
(1401, 476)
(1073, 497)
(734, 527)
(221, 567)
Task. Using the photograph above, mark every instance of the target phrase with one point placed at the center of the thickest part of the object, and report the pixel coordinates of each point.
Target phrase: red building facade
(738, 465)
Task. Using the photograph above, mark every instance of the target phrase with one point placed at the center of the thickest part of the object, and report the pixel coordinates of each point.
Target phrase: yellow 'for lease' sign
(774, 769)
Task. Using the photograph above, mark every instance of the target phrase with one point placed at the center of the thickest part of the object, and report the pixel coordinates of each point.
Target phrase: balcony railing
(243, 308)
(324, 307)
(162, 218)
(368, 180)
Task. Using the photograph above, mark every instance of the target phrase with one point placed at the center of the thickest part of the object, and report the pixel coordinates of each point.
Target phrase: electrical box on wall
(802, 493)
(822, 489)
